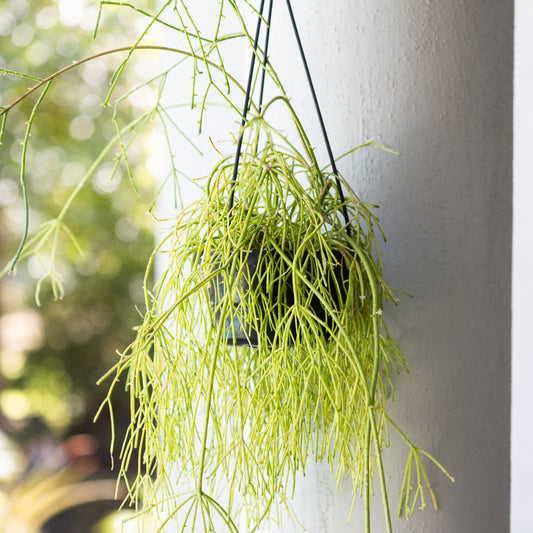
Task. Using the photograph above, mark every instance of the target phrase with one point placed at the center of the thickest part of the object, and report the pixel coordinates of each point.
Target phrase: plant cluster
(262, 344)
(312, 379)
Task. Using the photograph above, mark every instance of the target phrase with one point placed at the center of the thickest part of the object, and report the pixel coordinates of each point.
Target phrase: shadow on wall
(435, 83)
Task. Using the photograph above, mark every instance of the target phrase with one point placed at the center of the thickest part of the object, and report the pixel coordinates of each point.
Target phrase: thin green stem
(118, 72)
(381, 472)
(19, 74)
(3, 128)
(23, 175)
(76, 64)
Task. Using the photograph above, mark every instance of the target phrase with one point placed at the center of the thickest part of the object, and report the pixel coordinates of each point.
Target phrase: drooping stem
(23, 176)
(381, 473)
(109, 52)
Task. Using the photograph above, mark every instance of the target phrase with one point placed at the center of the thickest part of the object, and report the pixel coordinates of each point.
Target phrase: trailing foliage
(240, 422)
(276, 257)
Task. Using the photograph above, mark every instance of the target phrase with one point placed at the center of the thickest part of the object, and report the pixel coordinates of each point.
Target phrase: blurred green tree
(52, 355)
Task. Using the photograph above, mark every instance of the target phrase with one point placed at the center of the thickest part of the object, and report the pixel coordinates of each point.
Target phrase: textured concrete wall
(432, 80)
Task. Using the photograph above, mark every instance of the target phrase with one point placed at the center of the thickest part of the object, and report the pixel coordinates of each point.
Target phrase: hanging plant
(263, 343)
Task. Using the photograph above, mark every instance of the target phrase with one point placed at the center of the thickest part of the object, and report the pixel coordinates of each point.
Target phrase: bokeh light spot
(22, 35)
(81, 128)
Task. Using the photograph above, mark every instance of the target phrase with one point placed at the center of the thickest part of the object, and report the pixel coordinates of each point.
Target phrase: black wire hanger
(262, 84)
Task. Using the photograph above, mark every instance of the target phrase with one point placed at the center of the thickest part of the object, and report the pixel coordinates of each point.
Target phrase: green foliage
(218, 432)
(50, 140)
(242, 421)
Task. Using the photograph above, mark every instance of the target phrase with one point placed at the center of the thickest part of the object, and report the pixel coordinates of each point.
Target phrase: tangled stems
(313, 379)
(313, 375)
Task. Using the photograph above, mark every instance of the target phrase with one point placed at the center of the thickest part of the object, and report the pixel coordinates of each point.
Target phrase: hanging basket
(262, 288)
(276, 258)
(262, 295)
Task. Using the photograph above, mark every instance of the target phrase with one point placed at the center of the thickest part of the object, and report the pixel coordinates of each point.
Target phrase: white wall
(522, 415)
(434, 81)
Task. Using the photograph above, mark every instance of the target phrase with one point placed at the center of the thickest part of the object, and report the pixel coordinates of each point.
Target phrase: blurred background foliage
(52, 355)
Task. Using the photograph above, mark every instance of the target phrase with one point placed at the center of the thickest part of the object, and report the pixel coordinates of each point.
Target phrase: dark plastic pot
(273, 291)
